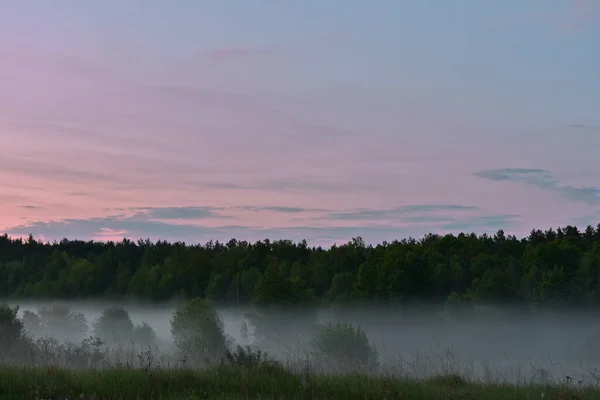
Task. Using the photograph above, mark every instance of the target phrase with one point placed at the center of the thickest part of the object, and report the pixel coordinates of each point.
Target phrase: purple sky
(320, 119)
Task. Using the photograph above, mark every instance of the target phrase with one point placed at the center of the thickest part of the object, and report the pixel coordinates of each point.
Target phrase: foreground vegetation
(203, 363)
(551, 267)
(258, 382)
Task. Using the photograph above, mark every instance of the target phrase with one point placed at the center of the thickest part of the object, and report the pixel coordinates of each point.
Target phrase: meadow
(258, 382)
(369, 355)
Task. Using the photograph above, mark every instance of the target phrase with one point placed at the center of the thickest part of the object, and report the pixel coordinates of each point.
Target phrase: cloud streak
(397, 212)
(279, 209)
(232, 54)
(203, 223)
(140, 227)
(542, 179)
(183, 213)
(592, 128)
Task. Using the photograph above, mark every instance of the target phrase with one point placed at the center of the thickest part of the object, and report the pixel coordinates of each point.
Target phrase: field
(493, 356)
(258, 382)
(125, 373)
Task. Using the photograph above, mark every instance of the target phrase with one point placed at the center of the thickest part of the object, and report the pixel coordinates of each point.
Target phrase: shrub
(113, 325)
(57, 321)
(344, 347)
(32, 323)
(144, 334)
(278, 328)
(49, 352)
(11, 328)
(198, 332)
(248, 357)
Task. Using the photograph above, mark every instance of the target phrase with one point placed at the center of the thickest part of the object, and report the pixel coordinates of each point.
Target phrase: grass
(256, 382)
(46, 369)
(247, 373)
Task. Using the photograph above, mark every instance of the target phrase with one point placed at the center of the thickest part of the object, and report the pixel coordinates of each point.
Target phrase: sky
(323, 120)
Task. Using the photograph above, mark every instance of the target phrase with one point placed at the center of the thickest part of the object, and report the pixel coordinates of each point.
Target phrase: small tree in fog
(144, 334)
(11, 328)
(244, 330)
(32, 323)
(113, 325)
(343, 346)
(198, 332)
(59, 322)
(277, 328)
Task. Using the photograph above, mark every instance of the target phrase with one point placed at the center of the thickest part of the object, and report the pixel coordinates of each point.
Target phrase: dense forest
(549, 267)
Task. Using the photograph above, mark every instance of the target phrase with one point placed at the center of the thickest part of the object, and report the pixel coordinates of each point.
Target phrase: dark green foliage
(280, 328)
(555, 267)
(32, 323)
(198, 332)
(11, 328)
(113, 325)
(249, 357)
(57, 321)
(144, 334)
(231, 382)
(346, 347)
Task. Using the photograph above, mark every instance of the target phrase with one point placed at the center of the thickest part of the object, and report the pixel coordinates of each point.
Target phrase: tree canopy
(556, 266)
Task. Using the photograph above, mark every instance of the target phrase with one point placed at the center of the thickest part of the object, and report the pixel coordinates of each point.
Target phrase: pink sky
(320, 136)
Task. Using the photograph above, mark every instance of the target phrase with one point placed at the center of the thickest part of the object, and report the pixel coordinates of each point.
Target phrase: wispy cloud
(134, 227)
(542, 179)
(51, 169)
(205, 212)
(581, 15)
(397, 212)
(510, 174)
(294, 185)
(230, 54)
(280, 209)
(319, 226)
(183, 213)
(483, 223)
(592, 219)
(585, 127)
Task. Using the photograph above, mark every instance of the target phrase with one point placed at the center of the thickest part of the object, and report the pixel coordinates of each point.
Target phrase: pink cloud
(228, 54)
(581, 15)
(110, 235)
(573, 16)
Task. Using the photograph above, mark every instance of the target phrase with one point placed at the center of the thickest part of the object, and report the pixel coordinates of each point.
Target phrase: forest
(553, 267)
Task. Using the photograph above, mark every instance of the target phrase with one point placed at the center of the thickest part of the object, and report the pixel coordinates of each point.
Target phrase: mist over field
(489, 343)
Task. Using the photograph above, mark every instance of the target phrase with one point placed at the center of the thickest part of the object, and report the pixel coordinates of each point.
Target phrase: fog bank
(494, 343)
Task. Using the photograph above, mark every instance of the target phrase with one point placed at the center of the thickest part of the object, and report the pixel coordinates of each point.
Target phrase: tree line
(555, 266)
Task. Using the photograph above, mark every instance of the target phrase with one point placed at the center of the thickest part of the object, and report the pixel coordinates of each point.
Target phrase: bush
(32, 323)
(144, 334)
(344, 347)
(279, 328)
(248, 357)
(198, 332)
(113, 325)
(49, 352)
(11, 328)
(57, 321)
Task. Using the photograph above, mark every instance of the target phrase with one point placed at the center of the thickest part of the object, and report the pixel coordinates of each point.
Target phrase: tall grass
(342, 365)
(229, 381)
(93, 371)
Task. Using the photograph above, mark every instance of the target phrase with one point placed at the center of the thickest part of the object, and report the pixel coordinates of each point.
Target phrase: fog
(491, 343)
